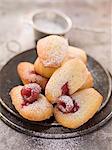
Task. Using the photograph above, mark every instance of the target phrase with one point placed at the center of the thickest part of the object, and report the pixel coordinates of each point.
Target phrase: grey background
(91, 31)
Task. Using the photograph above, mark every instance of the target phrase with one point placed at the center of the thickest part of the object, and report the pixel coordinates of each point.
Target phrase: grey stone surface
(91, 31)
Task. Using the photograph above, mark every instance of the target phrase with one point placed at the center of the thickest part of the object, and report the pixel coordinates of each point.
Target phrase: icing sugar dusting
(54, 58)
(33, 86)
(67, 99)
(56, 52)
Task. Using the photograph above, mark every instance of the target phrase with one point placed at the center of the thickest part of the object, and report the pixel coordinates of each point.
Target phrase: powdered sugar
(33, 86)
(67, 99)
(39, 107)
(55, 58)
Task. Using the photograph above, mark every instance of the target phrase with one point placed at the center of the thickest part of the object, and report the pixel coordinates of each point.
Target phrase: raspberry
(30, 92)
(66, 105)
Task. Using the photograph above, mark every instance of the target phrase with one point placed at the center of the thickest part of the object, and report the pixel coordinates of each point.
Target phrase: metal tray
(49, 128)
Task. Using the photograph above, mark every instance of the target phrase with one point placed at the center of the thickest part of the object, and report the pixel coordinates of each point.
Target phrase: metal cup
(52, 16)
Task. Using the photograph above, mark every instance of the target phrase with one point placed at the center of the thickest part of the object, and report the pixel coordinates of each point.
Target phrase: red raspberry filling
(30, 93)
(67, 105)
(65, 89)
